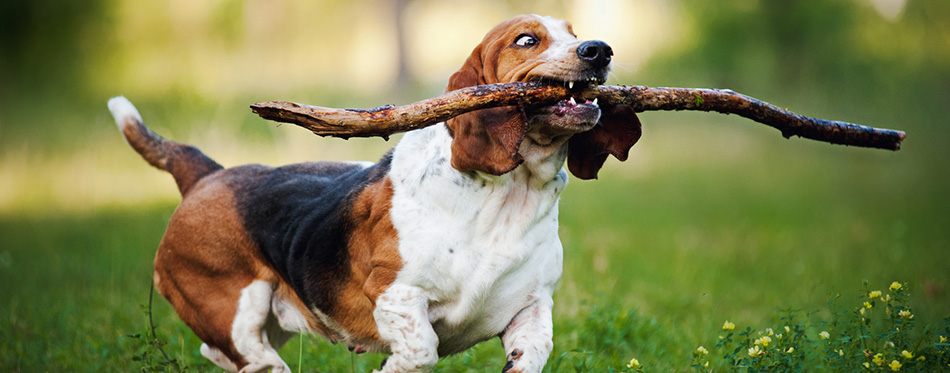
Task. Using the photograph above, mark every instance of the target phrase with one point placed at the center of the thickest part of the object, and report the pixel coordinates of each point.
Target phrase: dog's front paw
(518, 362)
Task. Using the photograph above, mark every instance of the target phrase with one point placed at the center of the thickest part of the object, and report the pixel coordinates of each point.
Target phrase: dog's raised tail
(186, 163)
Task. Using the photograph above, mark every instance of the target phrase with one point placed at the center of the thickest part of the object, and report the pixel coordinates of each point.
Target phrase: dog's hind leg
(218, 357)
(250, 333)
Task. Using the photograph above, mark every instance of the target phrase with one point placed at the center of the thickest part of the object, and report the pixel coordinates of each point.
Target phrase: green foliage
(877, 335)
(603, 337)
(45, 45)
(150, 354)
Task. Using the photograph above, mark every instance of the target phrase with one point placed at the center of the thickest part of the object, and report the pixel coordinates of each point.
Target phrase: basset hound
(449, 240)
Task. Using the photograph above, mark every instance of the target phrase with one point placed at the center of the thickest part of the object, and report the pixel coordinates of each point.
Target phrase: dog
(449, 240)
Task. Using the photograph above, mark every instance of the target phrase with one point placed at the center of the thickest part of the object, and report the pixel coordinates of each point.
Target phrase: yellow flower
(907, 354)
(874, 294)
(895, 365)
(840, 352)
(790, 350)
(728, 326)
(905, 314)
(878, 359)
(787, 329)
(867, 365)
(943, 339)
(861, 311)
(824, 335)
(702, 350)
(706, 365)
(755, 351)
(764, 341)
(895, 286)
(868, 305)
(920, 358)
(769, 330)
(633, 364)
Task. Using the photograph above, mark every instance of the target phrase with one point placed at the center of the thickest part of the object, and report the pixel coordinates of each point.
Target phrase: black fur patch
(298, 217)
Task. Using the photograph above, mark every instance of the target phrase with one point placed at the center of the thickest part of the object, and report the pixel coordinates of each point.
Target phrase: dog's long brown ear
(485, 140)
(617, 131)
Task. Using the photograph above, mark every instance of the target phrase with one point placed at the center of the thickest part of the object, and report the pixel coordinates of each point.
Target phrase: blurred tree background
(707, 204)
(880, 62)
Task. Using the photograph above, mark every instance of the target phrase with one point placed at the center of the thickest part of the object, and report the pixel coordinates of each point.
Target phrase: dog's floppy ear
(485, 140)
(617, 131)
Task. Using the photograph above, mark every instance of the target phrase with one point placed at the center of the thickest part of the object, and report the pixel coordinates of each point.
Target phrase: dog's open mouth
(576, 113)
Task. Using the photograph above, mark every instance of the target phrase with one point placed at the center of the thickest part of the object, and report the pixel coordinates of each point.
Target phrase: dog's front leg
(402, 318)
(528, 338)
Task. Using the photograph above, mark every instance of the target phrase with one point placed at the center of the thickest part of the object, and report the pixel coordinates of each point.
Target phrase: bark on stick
(387, 120)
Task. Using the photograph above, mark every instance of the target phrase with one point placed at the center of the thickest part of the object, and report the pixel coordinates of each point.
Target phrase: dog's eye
(525, 40)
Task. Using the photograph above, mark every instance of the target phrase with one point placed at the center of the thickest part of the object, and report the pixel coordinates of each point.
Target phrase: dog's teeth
(570, 85)
(573, 102)
(594, 102)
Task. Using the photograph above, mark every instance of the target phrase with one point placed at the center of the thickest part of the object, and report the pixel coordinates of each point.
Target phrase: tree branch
(387, 120)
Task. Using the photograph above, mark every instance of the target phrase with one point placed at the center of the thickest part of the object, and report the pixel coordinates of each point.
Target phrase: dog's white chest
(482, 250)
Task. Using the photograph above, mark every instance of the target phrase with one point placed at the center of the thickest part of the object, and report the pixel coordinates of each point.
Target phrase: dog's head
(535, 48)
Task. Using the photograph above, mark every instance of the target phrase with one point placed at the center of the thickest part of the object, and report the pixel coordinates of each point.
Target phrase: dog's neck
(544, 156)
(421, 172)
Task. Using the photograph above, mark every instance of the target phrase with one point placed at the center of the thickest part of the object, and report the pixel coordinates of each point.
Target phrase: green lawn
(713, 218)
(705, 223)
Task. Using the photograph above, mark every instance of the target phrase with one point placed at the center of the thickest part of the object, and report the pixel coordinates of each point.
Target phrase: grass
(712, 218)
(658, 253)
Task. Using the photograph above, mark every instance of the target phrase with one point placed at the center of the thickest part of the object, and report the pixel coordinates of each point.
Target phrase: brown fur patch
(185, 162)
(487, 140)
(374, 260)
(204, 261)
(618, 131)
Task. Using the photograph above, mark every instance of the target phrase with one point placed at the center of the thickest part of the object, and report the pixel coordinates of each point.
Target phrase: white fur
(403, 322)
(481, 252)
(251, 334)
(561, 40)
(288, 316)
(561, 54)
(122, 111)
(531, 335)
(479, 248)
(217, 357)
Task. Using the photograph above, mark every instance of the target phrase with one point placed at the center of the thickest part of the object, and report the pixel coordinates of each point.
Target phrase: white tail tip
(123, 111)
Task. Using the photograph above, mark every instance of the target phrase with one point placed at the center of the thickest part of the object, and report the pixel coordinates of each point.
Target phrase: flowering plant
(877, 335)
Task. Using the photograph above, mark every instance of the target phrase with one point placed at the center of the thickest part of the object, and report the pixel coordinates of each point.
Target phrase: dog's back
(251, 243)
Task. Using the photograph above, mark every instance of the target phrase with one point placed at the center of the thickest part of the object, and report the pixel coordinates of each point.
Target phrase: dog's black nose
(595, 52)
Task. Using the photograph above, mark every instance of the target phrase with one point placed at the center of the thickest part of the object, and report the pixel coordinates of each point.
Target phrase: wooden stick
(387, 120)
